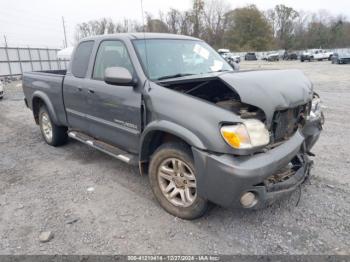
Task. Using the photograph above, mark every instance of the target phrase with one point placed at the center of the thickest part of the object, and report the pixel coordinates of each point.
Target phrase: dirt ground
(95, 204)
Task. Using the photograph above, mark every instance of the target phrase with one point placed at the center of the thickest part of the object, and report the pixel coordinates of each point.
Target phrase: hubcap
(177, 182)
(46, 126)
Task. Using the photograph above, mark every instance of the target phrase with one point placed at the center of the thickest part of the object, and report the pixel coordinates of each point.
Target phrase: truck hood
(270, 90)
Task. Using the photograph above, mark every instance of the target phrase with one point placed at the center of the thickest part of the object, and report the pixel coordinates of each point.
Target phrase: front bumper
(223, 179)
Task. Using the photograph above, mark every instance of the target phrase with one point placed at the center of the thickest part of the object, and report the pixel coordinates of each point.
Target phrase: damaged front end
(282, 106)
(286, 179)
(256, 175)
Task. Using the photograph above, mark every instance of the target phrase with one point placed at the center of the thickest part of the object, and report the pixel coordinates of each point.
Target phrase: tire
(165, 157)
(53, 134)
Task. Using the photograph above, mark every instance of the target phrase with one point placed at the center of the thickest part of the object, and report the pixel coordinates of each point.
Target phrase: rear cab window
(80, 62)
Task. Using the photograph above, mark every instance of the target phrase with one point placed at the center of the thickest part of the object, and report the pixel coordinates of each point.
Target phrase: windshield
(168, 58)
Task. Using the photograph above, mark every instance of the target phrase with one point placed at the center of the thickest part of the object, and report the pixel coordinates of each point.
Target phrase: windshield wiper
(173, 76)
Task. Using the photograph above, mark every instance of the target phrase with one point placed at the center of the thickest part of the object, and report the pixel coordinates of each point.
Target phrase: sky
(38, 23)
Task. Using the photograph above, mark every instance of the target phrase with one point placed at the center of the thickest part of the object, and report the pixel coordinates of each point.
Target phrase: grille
(286, 122)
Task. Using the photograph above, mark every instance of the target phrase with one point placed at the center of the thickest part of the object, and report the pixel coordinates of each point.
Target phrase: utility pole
(5, 40)
(64, 31)
(7, 56)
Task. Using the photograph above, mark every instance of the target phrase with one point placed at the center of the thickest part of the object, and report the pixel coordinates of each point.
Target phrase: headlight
(249, 134)
(315, 107)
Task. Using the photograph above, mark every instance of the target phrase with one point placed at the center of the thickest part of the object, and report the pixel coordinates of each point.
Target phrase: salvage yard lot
(95, 204)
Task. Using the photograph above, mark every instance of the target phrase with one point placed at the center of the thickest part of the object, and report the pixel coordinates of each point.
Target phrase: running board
(104, 147)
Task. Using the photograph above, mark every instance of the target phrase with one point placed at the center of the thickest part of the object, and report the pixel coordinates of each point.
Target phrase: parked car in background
(226, 54)
(202, 132)
(290, 56)
(250, 56)
(316, 54)
(343, 58)
(1, 90)
(272, 57)
(232, 59)
(320, 54)
(306, 56)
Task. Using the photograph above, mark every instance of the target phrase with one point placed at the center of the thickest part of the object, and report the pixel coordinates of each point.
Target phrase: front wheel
(173, 180)
(53, 135)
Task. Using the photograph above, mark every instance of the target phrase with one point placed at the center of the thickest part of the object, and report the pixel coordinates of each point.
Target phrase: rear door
(75, 88)
(114, 111)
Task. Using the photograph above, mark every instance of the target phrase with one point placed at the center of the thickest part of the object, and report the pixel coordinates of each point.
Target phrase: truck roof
(132, 36)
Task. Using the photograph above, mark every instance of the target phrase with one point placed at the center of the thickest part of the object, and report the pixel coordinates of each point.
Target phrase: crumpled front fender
(312, 131)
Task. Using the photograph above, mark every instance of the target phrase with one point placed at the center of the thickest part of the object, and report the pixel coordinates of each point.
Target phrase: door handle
(91, 91)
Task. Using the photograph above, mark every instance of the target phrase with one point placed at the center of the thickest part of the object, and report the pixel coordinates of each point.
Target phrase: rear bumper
(223, 179)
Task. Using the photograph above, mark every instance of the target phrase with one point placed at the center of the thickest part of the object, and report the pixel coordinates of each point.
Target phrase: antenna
(144, 37)
(64, 31)
(5, 40)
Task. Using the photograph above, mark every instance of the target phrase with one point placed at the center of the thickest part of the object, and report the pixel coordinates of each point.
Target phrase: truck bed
(46, 84)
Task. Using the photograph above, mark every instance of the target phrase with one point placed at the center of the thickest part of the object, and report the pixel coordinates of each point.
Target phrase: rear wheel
(173, 180)
(53, 135)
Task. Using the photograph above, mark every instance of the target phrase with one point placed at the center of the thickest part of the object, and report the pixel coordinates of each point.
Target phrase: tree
(105, 26)
(300, 30)
(174, 21)
(284, 18)
(93, 27)
(197, 17)
(248, 29)
(340, 32)
(155, 25)
(214, 21)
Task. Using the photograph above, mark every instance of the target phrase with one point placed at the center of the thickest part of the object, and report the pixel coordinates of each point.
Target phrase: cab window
(111, 53)
(81, 59)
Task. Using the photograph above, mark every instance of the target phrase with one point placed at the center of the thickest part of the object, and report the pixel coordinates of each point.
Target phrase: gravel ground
(94, 204)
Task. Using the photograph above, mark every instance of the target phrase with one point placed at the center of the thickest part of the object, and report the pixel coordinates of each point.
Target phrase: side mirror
(118, 76)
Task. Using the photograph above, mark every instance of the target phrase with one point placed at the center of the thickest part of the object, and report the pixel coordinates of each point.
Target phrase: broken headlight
(315, 111)
(249, 134)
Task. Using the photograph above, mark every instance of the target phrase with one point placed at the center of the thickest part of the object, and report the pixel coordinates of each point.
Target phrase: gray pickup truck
(173, 106)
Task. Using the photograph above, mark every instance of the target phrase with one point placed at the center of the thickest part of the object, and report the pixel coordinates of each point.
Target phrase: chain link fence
(14, 61)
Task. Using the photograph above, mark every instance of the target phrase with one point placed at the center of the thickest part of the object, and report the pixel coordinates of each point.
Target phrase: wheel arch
(39, 99)
(160, 132)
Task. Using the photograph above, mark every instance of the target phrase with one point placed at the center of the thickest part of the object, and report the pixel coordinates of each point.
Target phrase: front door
(114, 111)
